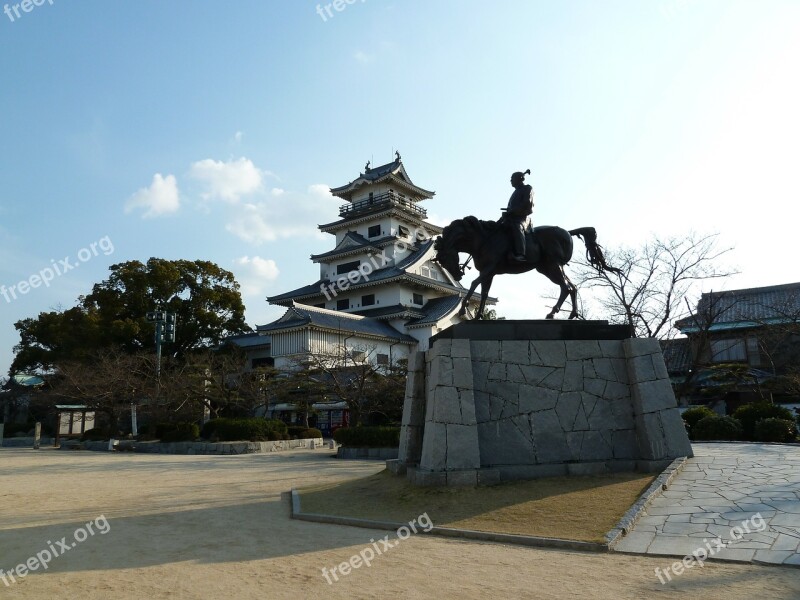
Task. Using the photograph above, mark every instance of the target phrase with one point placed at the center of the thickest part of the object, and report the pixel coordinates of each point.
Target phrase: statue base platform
(493, 401)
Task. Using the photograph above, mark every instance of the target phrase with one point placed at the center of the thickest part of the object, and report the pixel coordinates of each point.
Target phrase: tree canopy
(205, 298)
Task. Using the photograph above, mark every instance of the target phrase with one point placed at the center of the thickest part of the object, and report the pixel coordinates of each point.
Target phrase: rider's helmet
(519, 176)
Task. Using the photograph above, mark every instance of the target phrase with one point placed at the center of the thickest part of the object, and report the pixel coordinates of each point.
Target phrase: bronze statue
(546, 249)
(516, 216)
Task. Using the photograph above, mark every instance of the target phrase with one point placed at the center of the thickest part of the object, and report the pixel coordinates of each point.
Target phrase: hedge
(775, 430)
(368, 437)
(693, 415)
(177, 432)
(252, 429)
(750, 414)
(299, 432)
(718, 428)
(96, 434)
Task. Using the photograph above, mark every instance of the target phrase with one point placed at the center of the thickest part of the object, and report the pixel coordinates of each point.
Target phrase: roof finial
(397, 155)
(366, 167)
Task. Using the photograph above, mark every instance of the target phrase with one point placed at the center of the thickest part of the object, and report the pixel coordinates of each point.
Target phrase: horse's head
(456, 237)
(447, 256)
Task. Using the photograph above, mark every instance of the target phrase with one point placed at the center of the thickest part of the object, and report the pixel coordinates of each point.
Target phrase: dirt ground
(219, 527)
(571, 508)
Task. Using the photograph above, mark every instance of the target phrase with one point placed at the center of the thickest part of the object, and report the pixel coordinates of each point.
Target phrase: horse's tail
(594, 252)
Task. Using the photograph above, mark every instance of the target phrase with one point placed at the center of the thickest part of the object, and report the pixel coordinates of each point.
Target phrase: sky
(194, 129)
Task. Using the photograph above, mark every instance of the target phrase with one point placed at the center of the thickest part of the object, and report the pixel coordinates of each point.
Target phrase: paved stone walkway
(722, 487)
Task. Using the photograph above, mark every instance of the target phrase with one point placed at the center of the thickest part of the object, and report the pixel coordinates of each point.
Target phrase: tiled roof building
(378, 287)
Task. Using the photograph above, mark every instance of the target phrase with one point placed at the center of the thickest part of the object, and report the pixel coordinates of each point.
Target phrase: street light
(166, 328)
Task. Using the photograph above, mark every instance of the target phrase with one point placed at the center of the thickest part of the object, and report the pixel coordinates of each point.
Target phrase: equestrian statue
(510, 245)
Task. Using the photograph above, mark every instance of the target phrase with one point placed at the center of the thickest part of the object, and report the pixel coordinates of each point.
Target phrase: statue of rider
(520, 206)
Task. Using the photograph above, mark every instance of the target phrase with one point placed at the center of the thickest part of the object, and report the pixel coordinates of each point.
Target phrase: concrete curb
(469, 534)
(629, 519)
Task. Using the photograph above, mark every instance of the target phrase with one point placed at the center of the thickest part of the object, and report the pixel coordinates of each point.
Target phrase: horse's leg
(471, 291)
(485, 285)
(573, 294)
(555, 274)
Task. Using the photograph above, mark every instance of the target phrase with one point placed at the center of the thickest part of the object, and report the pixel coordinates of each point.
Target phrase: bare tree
(108, 385)
(648, 292)
(216, 381)
(354, 376)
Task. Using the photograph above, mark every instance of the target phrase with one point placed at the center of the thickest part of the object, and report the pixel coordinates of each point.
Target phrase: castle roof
(393, 172)
(385, 275)
(301, 315)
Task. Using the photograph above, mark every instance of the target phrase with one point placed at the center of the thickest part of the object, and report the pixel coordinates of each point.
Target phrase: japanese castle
(379, 294)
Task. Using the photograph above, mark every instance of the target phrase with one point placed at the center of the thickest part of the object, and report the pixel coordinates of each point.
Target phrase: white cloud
(284, 216)
(162, 197)
(228, 181)
(277, 192)
(238, 136)
(320, 190)
(254, 273)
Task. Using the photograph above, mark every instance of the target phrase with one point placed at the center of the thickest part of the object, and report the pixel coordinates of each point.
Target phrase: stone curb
(629, 519)
(469, 534)
(197, 448)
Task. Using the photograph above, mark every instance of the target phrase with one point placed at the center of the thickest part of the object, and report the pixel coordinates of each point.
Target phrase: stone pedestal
(501, 400)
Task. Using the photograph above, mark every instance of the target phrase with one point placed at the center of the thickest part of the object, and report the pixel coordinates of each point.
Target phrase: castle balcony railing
(381, 202)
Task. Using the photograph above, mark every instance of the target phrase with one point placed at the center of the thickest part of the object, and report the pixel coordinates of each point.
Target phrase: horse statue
(549, 248)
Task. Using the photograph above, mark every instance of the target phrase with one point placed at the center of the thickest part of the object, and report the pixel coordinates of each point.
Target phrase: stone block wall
(517, 409)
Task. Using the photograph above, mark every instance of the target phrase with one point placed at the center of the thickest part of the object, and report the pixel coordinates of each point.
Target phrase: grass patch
(573, 508)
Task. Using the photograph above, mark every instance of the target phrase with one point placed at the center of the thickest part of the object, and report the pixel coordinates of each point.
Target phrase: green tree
(205, 298)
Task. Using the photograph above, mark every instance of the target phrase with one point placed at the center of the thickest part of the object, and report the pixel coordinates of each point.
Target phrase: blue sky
(209, 130)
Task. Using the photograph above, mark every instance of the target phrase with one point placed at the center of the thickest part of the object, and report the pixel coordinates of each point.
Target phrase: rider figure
(520, 206)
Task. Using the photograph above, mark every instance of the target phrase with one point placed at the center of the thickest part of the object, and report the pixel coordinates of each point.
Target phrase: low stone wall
(376, 453)
(483, 410)
(24, 442)
(208, 448)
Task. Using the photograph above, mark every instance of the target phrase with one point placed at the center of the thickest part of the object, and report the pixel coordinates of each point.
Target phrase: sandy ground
(219, 527)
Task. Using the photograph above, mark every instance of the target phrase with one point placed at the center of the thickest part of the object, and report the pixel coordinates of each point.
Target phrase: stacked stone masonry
(486, 411)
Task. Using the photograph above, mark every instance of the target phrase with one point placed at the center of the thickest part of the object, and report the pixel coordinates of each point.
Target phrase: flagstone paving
(754, 487)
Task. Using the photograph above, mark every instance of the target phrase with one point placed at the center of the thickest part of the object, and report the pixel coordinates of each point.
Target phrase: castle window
(345, 268)
(383, 359)
(343, 304)
(425, 271)
(374, 231)
(368, 300)
(417, 299)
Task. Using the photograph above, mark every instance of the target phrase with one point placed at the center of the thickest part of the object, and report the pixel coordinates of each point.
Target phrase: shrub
(750, 414)
(95, 435)
(717, 428)
(177, 432)
(368, 437)
(692, 415)
(298, 432)
(18, 429)
(775, 430)
(251, 429)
